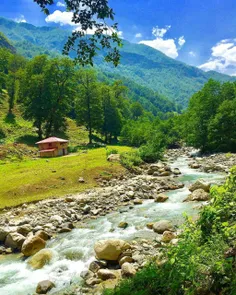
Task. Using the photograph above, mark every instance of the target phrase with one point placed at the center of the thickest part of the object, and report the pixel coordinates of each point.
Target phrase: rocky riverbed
(31, 228)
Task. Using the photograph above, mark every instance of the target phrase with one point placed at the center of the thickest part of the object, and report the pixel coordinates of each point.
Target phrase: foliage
(113, 151)
(210, 120)
(131, 159)
(90, 15)
(203, 262)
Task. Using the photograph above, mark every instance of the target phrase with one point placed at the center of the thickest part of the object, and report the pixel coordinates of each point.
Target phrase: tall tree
(89, 108)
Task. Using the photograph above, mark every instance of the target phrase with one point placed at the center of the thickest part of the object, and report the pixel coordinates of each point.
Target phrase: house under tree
(53, 147)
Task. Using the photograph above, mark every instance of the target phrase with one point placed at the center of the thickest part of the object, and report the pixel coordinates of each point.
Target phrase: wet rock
(86, 209)
(162, 225)
(128, 270)
(43, 235)
(123, 225)
(198, 195)
(32, 245)
(194, 165)
(14, 241)
(165, 173)
(161, 198)
(138, 202)
(94, 266)
(110, 249)
(40, 259)
(176, 171)
(93, 282)
(44, 287)
(105, 274)
(150, 225)
(200, 184)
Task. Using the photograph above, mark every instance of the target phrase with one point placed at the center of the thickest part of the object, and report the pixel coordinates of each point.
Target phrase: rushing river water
(74, 251)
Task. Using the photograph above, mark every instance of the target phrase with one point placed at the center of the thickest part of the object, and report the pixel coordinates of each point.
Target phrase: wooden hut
(53, 147)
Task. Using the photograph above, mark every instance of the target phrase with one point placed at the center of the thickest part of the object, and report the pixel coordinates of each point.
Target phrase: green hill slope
(139, 63)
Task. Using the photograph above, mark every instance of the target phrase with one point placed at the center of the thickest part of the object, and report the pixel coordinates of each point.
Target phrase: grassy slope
(32, 180)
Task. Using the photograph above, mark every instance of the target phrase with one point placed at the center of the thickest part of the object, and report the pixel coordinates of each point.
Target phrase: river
(74, 251)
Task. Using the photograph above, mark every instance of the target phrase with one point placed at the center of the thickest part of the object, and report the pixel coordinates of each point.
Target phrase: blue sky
(198, 32)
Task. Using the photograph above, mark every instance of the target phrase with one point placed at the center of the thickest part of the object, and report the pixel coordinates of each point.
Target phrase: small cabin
(53, 147)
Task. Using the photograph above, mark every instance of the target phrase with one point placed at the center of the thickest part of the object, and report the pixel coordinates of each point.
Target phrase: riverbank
(90, 211)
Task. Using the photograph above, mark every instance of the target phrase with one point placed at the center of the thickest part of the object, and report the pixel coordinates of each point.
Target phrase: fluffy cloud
(223, 58)
(60, 17)
(20, 19)
(167, 46)
(138, 35)
(65, 18)
(60, 4)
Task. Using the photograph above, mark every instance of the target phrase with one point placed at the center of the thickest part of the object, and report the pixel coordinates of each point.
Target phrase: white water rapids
(74, 251)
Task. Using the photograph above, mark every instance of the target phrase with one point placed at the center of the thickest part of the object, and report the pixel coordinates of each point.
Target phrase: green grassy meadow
(38, 179)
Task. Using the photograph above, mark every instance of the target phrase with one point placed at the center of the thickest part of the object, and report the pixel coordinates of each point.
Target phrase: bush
(131, 159)
(73, 149)
(203, 262)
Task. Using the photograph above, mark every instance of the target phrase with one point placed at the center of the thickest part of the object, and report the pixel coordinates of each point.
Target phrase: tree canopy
(95, 15)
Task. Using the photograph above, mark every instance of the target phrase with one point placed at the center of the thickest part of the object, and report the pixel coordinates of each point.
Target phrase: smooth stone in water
(162, 225)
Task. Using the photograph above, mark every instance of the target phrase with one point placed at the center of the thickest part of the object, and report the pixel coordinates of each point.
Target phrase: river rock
(138, 202)
(176, 171)
(110, 249)
(44, 287)
(123, 225)
(40, 259)
(3, 234)
(125, 259)
(150, 225)
(113, 158)
(194, 165)
(94, 266)
(127, 270)
(162, 225)
(14, 241)
(161, 198)
(24, 229)
(200, 184)
(168, 236)
(198, 195)
(106, 274)
(43, 235)
(32, 245)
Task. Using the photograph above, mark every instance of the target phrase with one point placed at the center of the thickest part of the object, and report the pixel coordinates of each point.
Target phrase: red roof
(52, 139)
(48, 150)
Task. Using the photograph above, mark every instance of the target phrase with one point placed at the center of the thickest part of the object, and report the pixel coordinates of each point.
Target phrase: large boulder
(163, 225)
(200, 184)
(110, 249)
(114, 158)
(127, 270)
(32, 245)
(14, 241)
(198, 195)
(44, 287)
(40, 259)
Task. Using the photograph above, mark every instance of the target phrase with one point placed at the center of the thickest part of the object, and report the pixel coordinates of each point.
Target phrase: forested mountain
(144, 65)
(4, 43)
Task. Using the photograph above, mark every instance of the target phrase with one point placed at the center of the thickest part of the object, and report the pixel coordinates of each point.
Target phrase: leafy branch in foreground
(90, 17)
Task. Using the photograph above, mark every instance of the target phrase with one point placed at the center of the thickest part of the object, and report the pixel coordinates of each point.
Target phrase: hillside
(142, 64)
(4, 43)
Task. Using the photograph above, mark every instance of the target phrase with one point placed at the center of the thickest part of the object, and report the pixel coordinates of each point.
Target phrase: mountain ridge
(142, 64)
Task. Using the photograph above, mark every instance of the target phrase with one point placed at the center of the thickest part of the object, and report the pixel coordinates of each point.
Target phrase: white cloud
(181, 41)
(223, 58)
(138, 35)
(192, 53)
(60, 4)
(167, 46)
(60, 17)
(20, 19)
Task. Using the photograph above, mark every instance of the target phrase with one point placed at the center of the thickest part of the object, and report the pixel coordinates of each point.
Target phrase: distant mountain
(141, 64)
(5, 43)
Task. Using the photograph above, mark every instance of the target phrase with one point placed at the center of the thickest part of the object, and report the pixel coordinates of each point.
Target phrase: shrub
(131, 159)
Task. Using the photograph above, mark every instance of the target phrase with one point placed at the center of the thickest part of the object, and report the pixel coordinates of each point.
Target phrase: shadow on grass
(10, 119)
(28, 139)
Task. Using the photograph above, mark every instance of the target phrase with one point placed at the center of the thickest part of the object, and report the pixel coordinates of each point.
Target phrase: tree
(90, 15)
(89, 108)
